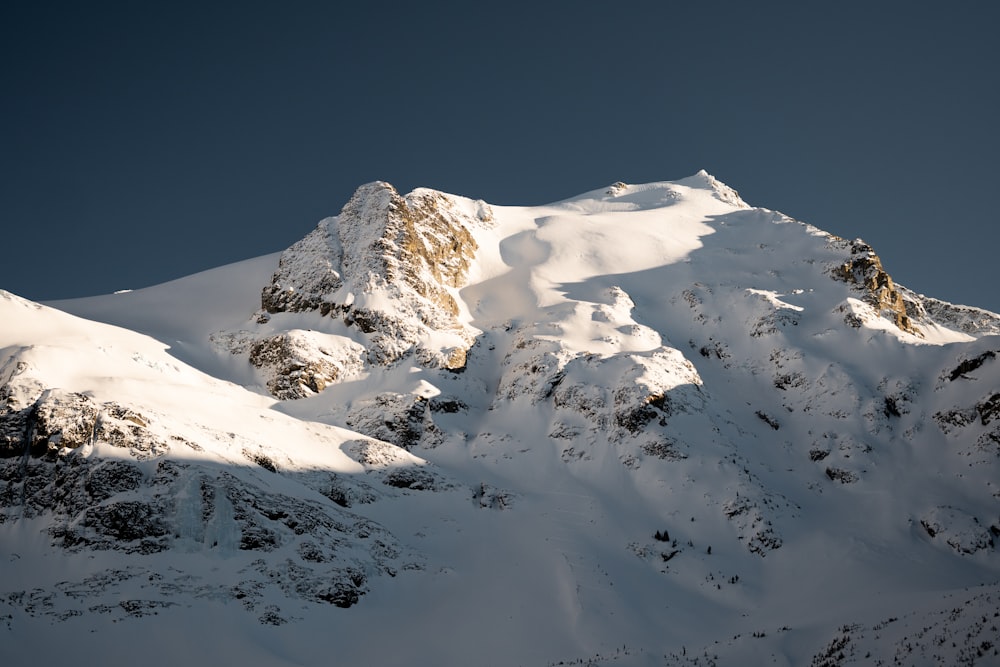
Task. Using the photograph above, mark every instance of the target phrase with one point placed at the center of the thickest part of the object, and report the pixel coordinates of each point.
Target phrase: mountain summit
(650, 424)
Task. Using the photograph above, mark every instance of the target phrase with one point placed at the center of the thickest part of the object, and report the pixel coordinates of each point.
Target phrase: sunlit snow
(658, 357)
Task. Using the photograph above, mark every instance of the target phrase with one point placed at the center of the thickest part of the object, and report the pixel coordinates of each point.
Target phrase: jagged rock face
(385, 269)
(864, 269)
(56, 422)
(95, 504)
(102, 477)
(418, 241)
(308, 273)
(974, 424)
(968, 320)
(719, 396)
(385, 265)
(300, 364)
(401, 419)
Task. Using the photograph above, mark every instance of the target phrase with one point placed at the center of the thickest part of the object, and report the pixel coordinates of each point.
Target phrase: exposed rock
(755, 530)
(666, 449)
(956, 528)
(58, 422)
(396, 467)
(386, 269)
(448, 404)
(345, 490)
(374, 454)
(136, 501)
(16, 420)
(490, 497)
(768, 419)
(616, 188)
(303, 363)
(62, 420)
(415, 478)
(308, 274)
(339, 586)
(125, 521)
(967, 319)
(110, 477)
(989, 409)
(649, 387)
(949, 420)
(958, 423)
(386, 265)
(401, 419)
(123, 427)
(969, 365)
(841, 475)
(864, 269)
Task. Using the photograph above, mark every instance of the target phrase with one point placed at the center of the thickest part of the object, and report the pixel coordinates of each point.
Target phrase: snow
(649, 357)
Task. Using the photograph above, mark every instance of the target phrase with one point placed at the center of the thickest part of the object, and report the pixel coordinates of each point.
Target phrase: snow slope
(647, 425)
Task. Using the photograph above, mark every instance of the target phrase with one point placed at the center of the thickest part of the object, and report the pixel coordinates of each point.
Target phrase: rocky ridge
(97, 476)
(864, 269)
(745, 403)
(387, 268)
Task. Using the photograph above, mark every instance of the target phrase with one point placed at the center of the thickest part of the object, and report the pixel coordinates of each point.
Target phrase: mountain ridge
(669, 406)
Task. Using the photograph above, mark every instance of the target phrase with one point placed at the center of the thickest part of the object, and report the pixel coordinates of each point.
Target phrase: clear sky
(145, 141)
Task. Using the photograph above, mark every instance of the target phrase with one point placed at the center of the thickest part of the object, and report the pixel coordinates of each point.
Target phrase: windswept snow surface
(680, 437)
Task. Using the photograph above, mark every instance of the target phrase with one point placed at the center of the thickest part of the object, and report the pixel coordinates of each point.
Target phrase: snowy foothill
(647, 425)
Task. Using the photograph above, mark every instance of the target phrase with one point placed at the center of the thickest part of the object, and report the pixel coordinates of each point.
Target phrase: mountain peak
(723, 192)
(387, 268)
(643, 399)
(659, 194)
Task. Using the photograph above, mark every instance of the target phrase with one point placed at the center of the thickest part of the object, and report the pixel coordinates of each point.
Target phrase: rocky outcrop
(402, 419)
(957, 529)
(627, 398)
(387, 265)
(864, 269)
(99, 476)
(53, 423)
(971, 364)
(756, 531)
(386, 270)
(972, 423)
(967, 319)
(299, 364)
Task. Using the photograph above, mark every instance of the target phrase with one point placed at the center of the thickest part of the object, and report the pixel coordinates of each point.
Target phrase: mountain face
(650, 425)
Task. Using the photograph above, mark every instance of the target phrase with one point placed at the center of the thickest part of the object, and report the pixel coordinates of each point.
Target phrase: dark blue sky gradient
(146, 141)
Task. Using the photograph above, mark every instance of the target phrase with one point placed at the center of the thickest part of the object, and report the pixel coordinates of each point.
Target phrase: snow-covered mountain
(647, 425)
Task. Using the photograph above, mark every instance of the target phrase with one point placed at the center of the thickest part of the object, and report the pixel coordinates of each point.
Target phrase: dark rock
(989, 409)
(490, 497)
(840, 475)
(767, 419)
(414, 478)
(891, 409)
(969, 365)
(126, 520)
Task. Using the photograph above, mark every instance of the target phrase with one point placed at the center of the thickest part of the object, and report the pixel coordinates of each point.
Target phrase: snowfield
(648, 425)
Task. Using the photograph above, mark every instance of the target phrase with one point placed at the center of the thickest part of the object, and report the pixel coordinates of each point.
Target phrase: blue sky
(146, 141)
